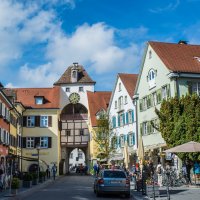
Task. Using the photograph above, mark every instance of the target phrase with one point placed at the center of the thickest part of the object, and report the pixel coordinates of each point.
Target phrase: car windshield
(114, 174)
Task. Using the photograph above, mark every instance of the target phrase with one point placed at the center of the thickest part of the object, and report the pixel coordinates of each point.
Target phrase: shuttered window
(43, 121)
(30, 121)
(30, 142)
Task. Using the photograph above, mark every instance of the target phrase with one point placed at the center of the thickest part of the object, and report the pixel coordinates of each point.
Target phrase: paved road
(69, 188)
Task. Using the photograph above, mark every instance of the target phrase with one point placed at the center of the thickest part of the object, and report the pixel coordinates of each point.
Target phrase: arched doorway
(74, 134)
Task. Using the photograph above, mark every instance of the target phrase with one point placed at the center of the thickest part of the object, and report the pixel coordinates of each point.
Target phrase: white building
(122, 113)
(167, 70)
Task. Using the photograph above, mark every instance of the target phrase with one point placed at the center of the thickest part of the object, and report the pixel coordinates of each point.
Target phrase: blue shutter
(133, 138)
(132, 115)
(124, 139)
(118, 120)
(127, 139)
(123, 115)
(126, 117)
(115, 121)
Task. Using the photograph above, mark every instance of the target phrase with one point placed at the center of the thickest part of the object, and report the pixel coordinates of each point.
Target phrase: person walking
(159, 170)
(54, 170)
(48, 171)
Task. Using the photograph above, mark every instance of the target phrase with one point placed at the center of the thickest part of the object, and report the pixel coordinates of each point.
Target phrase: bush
(34, 175)
(15, 183)
(42, 174)
(27, 177)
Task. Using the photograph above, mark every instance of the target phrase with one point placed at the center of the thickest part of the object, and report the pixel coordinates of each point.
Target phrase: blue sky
(39, 39)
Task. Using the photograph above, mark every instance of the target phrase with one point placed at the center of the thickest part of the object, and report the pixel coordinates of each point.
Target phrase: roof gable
(97, 101)
(83, 76)
(178, 57)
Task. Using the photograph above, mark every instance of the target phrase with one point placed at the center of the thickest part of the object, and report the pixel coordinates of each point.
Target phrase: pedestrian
(48, 171)
(188, 168)
(54, 170)
(159, 171)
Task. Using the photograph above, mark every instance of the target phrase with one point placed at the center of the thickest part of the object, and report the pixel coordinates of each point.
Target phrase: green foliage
(15, 183)
(103, 137)
(42, 174)
(34, 175)
(180, 122)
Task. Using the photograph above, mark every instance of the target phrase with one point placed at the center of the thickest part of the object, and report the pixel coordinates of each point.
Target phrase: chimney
(182, 42)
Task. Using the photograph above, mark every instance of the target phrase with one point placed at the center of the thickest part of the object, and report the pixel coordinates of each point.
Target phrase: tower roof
(83, 76)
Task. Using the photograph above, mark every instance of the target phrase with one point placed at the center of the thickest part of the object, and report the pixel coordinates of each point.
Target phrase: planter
(27, 184)
(14, 191)
(34, 181)
(150, 190)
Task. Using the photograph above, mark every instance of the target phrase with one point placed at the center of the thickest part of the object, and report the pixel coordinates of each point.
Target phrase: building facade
(122, 114)
(167, 70)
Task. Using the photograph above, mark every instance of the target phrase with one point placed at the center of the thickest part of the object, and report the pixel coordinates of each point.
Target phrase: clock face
(74, 98)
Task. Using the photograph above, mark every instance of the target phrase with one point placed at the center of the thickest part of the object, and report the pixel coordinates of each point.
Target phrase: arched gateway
(74, 83)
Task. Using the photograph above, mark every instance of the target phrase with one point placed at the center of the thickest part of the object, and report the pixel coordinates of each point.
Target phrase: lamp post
(38, 152)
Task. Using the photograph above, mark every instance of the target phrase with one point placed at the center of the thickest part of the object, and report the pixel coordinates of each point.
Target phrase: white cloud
(169, 7)
(94, 46)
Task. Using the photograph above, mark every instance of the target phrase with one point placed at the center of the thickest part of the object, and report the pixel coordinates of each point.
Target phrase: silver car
(112, 181)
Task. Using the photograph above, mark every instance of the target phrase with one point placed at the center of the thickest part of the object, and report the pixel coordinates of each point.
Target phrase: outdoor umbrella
(187, 147)
(141, 149)
(126, 155)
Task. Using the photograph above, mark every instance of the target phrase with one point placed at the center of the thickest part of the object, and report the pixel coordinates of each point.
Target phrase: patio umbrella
(187, 147)
(126, 155)
(140, 149)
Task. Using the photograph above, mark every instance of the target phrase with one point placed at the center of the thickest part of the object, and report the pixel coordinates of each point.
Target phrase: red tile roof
(129, 81)
(178, 57)
(27, 96)
(83, 76)
(96, 102)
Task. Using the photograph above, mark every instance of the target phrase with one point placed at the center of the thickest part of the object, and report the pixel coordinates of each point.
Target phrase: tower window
(80, 89)
(67, 89)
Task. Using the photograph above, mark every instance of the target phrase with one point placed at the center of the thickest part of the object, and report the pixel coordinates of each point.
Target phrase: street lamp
(38, 152)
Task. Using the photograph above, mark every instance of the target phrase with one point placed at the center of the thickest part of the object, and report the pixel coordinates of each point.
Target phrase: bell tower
(74, 73)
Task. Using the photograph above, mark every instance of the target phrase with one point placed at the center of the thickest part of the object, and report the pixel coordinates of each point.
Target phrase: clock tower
(74, 84)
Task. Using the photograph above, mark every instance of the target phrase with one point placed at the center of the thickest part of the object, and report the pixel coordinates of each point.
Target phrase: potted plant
(27, 180)
(35, 179)
(15, 185)
(42, 177)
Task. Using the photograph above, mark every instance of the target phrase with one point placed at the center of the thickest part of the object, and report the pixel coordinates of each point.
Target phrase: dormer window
(39, 100)
(151, 78)
(74, 74)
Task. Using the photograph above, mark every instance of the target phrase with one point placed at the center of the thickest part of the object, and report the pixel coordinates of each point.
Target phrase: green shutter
(127, 136)
(141, 105)
(132, 114)
(123, 116)
(118, 121)
(168, 91)
(127, 118)
(141, 129)
(133, 138)
(189, 87)
(159, 95)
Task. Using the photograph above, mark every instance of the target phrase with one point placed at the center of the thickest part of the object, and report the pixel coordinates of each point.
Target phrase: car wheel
(127, 195)
(97, 194)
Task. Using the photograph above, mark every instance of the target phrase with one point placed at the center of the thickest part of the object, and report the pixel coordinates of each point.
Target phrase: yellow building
(97, 102)
(40, 134)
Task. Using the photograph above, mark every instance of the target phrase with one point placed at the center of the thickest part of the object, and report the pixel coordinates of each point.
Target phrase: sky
(39, 39)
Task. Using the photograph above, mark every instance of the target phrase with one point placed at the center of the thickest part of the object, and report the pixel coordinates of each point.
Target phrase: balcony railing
(74, 117)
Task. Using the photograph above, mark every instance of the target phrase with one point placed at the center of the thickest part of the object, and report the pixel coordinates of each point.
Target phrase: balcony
(65, 117)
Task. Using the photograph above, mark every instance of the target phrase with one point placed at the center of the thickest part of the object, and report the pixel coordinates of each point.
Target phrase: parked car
(112, 181)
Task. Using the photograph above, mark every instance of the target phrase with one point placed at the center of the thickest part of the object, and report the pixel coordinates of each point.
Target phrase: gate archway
(74, 133)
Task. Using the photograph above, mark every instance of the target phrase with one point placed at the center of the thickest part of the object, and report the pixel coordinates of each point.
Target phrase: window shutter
(133, 138)
(49, 142)
(141, 129)
(59, 125)
(128, 142)
(119, 143)
(24, 121)
(127, 118)
(189, 87)
(132, 114)
(113, 123)
(125, 138)
(168, 91)
(118, 121)
(37, 121)
(37, 141)
(123, 115)
(0, 109)
(141, 105)
(24, 142)
(49, 121)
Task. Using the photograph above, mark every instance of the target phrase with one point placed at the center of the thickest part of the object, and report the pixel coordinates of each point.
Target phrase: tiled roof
(96, 102)
(83, 76)
(129, 81)
(178, 57)
(27, 96)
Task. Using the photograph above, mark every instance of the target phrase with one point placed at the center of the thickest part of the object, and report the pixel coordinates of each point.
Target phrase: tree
(104, 138)
(180, 122)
